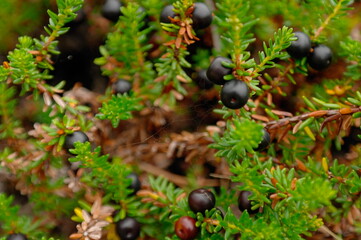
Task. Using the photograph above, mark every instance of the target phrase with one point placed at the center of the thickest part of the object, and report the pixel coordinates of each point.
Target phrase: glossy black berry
(300, 47)
(77, 136)
(266, 140)
(185, 228)
(128, 228)
(122, 86)
(320, 58)
(111, 10)
(244, 203)
(200, 200)
(135, 185)
(217, 71)
(202, 80)
(234, 94)
(16, 236)
(166, 13)
(201, 16)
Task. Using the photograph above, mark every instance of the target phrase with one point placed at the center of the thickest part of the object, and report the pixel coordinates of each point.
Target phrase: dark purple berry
(185, 228)
(320, 58)
(217, 71)
(244, 203)
(300, 47)
(135, 185)
(77, 136)
(234, 94)
(16, 236)
(200, 200)
(266, 140)
(166, 13)
(202, 80)
(128, 228)
(111, 10)
(201, 16)
(122, 86)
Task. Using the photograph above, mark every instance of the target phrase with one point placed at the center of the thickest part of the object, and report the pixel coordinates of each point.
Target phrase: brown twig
(328, 114)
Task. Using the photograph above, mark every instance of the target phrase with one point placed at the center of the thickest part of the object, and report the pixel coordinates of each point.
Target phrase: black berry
(111, 10)
(135, 184)
(201, 16)
(244, 203)
(16, 236)
(320, 58)
(234, 94)
(128, 228)
(77, 136)
(166, 13)
(266, 140)
(301, 47)
(200, 200)
(185, 228)
(202, 80)
(217, 71)
(122, 86)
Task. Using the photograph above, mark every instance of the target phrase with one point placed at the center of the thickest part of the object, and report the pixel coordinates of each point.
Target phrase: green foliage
(250, 229)
(119, 107)
(128, 45)
(7, 105)
(241, 136)
(351, 50)
(21, 19)
(103, 174)
(11, 220)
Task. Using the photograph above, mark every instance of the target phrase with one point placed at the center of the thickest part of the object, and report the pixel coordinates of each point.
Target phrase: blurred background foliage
(20, 17)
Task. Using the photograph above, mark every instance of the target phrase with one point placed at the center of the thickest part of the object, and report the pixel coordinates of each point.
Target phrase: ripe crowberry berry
(77, 136)
(266, 140)
(128, 228)
(201, 16)
(217, 71)
(244, 203)
(16, 236)
(122, 86)
(320, 58)
(166, 13)
(234, 94)
(301, 47)
(135, 184)
(111, 10)
(202, 80)
(200, 200)
(185, 228)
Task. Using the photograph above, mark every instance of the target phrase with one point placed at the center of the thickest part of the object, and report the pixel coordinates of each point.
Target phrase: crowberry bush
(180, 119)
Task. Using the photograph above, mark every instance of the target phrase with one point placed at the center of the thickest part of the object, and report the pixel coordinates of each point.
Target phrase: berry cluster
(199, 201)
(318, 57)
(234, 93)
